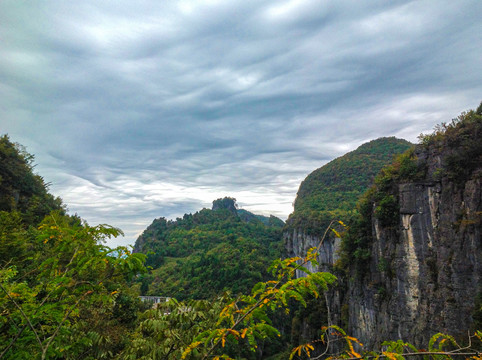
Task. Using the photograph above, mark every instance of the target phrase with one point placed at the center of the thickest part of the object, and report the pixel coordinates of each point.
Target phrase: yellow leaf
(189, 349)
(352, 352)
(233, 332)
(354, 339)
(243, 333)
(390, 355)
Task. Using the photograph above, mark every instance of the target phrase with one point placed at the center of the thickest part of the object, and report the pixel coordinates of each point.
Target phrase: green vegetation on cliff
(206, 253)
(457, 144)
(333, 190)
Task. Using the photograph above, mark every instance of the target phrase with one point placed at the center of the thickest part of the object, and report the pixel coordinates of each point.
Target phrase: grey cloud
(143, 110)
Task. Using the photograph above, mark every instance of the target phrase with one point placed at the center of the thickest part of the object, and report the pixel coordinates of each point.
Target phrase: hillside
(21, 189)
(333, 190)
(206, 253)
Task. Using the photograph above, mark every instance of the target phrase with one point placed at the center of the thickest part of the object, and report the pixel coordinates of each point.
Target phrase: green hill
(208, 252)
(333, 190)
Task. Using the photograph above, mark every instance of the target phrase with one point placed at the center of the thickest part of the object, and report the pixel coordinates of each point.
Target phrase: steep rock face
(422, 279)
(298, 243)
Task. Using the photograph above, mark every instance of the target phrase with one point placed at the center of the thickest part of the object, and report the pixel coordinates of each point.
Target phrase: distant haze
(141, 109)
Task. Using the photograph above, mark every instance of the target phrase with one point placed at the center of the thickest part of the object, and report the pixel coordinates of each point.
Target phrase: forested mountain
(206, 253)
(333, 190)
(229, 249)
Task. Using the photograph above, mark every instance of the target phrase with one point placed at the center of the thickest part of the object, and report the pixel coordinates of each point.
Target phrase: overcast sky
(141, 109)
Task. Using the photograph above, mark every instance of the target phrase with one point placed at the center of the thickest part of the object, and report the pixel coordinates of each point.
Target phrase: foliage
(204, 254)
(63, 294)
(333, 190)
(440, 347)
(460, 140)
(20, 189)
(69, 272)
(167, 331)
(459, 145)
(228, 327)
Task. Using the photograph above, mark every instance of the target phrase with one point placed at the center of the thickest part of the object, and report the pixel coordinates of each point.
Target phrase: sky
(140, 109)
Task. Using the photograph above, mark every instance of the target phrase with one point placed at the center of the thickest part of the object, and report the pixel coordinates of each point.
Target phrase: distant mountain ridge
(205, 253)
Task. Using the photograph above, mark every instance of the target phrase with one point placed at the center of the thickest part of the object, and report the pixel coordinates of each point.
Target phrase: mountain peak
(227, 203)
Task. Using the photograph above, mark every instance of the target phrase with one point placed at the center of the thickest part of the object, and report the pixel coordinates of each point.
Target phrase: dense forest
(65, 295)
(211, 251)
(333, 190)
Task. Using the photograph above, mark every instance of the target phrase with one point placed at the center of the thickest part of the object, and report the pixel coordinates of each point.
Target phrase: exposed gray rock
(423, 276)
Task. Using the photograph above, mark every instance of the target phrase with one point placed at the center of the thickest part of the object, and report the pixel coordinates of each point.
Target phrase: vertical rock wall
(423, 276)
(432, 267)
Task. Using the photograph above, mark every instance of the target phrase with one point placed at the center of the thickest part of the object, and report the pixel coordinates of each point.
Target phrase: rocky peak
(227, 203)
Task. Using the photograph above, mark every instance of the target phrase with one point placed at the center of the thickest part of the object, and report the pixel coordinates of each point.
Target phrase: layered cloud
(137, 110)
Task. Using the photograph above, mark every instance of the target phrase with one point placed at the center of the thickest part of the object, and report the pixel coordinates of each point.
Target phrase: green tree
(20, 188)
(69, 271)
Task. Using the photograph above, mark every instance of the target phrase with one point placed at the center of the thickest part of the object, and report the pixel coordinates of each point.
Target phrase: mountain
(206, 253)
(410, 265)
(333, 190)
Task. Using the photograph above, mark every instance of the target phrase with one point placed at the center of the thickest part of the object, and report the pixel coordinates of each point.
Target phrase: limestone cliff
(412, 263)
(327, 193)
(424, 277)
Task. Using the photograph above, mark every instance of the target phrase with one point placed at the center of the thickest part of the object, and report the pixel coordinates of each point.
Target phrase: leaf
(190, 348)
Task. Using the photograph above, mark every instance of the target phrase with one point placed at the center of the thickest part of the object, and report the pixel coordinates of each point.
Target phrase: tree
(69, 270)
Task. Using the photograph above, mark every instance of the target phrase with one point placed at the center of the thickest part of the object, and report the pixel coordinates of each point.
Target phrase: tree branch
(23, 314)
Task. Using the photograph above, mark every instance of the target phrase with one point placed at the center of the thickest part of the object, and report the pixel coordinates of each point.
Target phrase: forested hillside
(211, 251)
(333, 190)
(22, 190)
